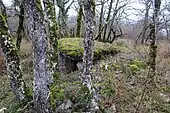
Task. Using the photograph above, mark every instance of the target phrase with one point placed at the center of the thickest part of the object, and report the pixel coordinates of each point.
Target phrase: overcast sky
(72, 12)
(7, 2)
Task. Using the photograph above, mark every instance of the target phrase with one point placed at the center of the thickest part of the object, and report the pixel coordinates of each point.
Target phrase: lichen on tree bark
(153, 36)
(37, 34)
(89, 28)
(12, 58)
(52, 30)
(49, 8)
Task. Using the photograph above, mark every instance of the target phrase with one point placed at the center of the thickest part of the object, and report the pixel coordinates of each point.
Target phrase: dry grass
(134, 93)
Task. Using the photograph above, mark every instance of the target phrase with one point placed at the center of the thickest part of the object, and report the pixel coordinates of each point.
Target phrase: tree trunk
(79, 22)
(147, 7)
(101, 19)
(153, 37)
(113, 19)
(107, 19)
(63, 15)
(89, 27)
(49, 8)
(20, 30)
(12, 59)
(37, 34)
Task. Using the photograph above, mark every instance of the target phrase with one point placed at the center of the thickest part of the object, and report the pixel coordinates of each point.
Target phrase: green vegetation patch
(73, 47)
(62, 90)
(136, 65)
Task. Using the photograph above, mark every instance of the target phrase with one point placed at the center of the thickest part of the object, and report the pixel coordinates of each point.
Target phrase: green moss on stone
(73, 47)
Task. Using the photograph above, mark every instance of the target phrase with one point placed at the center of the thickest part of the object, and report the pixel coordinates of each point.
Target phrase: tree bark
(63, 15)
(37, 34)
(12, 58)
(153, 37)
(145, 24)
(101, 18)
(89, 27)
(107, 19)
(20, 30)
(49, 8)
(79, 22)
(113, 18)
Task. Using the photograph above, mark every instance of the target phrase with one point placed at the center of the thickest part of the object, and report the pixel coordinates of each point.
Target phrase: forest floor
(122, 81)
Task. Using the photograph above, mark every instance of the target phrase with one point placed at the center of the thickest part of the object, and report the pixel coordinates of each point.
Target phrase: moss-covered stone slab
(70, 52)
(73, 47)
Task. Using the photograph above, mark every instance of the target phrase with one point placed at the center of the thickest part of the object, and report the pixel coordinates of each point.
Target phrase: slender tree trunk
(63, 17)
(12, 59)
(101, 19)
(167, 33)
(89, 27)
(153, 37)
(37, 33)
(113, 20)
(79, 21)
(147, 7)
(107, 19)
(20, 30)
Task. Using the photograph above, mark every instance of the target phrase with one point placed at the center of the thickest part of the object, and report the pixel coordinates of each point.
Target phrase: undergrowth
(122, 83)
